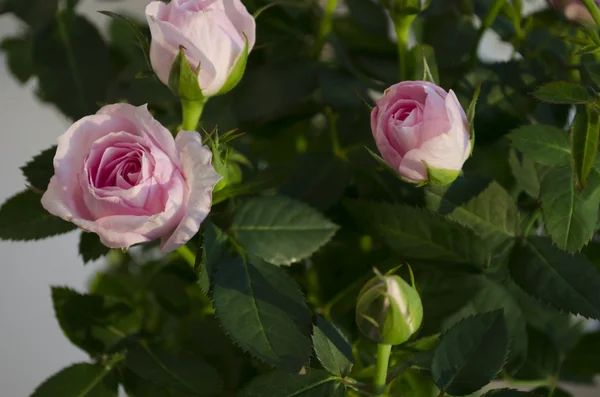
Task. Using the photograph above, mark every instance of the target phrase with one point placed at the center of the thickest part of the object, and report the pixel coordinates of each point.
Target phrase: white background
(32, 346)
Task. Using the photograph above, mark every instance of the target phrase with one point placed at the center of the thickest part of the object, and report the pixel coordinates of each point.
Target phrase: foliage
(502, 257)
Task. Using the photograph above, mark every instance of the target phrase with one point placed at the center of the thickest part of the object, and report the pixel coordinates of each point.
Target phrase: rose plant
(292, 198)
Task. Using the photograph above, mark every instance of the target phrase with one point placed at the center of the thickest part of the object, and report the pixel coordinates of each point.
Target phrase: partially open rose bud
(215, 36)
(574, 10)
(422, 132)
(389, 311)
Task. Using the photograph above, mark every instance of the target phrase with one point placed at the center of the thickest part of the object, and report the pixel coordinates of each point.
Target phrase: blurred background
(28, 355)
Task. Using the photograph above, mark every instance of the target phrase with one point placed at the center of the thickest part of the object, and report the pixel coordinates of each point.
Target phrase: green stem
(383, 361)
(593, 9)
(486, 24)
(575, 61)
(324, 27)
(187, 255)
(402, 24)
(531, 222)
(192, 110)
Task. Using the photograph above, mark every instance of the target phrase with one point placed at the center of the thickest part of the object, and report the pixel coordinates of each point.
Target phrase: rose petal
(201, 178)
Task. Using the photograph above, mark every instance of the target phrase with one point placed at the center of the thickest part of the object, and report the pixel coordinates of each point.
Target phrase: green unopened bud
(389, 311)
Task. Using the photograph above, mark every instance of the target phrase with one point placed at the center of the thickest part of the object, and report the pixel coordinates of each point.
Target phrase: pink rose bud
(213, 34)
(574, 10)
(422, 132)
(120, 174)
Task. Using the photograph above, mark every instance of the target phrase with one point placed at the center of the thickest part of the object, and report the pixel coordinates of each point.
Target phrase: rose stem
(593, 9)
(383, 360)
(402, 24)
(324, 27)
(192, 110)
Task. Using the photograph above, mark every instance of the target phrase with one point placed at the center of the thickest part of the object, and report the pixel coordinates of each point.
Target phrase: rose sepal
(383, 163)
(440, 176)
(237, 71)
(183, 79)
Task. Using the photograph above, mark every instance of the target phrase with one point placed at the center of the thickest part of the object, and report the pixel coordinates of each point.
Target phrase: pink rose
(574, 10)
(120, 174)
(421, 132)
(212, 33)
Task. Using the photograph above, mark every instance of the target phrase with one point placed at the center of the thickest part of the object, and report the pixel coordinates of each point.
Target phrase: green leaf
(526, 172)
(138, 387)
(180, 371)
(237, 72)
(35, 13)
(19, 54)
(90, 247)
(183, 79)
(22, 217)
(263, 311)
(93, 323)
(332, 348)
(554, 392)
(582, 360)
(412, 382)
(567, 282)
(585, 134)
(282, 384)
(545, 144)
(471, 354)
(140, 37)
(213, 252)
(569, 218)
(40, 169)
(563, 92)
(72, 64)
(492, 213)
(420, 234)
(508, 393)
(79, 380)
(280, 230)
(317, 180)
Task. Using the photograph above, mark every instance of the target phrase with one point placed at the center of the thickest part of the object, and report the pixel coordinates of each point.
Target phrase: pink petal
(201, 178)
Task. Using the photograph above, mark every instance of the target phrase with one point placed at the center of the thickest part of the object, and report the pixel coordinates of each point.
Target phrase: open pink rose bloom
(120, 174)
(417, 125)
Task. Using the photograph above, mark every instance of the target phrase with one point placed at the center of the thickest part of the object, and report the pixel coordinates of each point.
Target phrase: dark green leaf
(420, 234)
(585, 133)
(471, 354)
(563, 92)
(40, 169)
(569, 218)
(79, 380)
(527, 173)
(140, 37)
(35, 13)
(508, 393)
(22, 217)
(412, 382)
(180, 371)
(280, 230)
(567, 282)
(18, 52)
(317, 180)
(90, 247)
(332, 348)
(554, 392)
(72, 65)
(263, 311)
(282, 384)
(582, 360)
(214, 251)
(94, 323)
(491, 213)
(139, 387)
(183, 79)
(545, 144)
